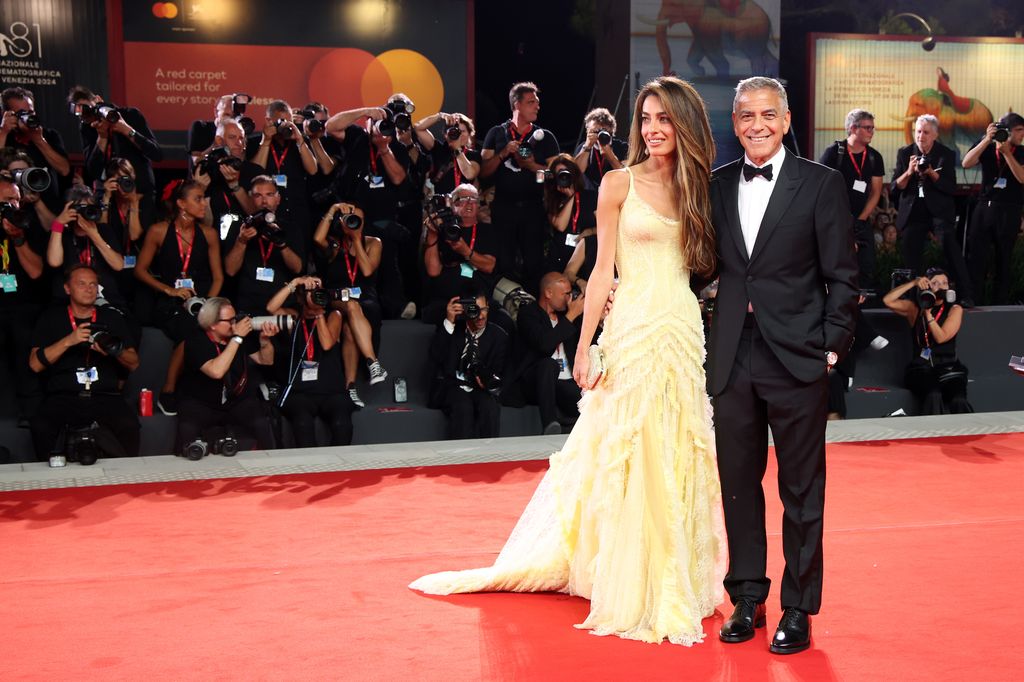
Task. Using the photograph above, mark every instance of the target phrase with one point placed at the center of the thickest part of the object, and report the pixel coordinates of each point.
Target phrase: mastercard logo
(165, 10)
(348, 78)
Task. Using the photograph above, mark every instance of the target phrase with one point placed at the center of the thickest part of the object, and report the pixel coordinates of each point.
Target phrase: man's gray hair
(209, 314)
(228, 122)
(929, 119)
(854, 118)
(761, 83)
(466, 187)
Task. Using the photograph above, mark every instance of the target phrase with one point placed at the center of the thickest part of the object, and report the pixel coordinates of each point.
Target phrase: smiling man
(785, 312)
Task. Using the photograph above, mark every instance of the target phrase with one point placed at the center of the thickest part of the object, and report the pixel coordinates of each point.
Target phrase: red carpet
(303, 577)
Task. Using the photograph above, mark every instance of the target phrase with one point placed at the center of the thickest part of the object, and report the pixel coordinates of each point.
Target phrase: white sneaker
(879, 342)
(354, 397)
(409, 311)
(377, 373)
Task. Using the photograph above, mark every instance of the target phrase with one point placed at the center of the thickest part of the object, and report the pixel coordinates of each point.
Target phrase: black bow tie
(750, 172)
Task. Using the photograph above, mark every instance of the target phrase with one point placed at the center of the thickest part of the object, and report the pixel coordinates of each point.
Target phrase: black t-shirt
(239, 382)
(863, 167)
(81, 249)
(596, 164)
(512, 183)
(224, 203)
(284, 159)
(585, 219)
(993, 169)
(53, 325)
(344, 273)
(27, 291)
(453, 280)
(302, 345)
(365, 177)
(168, 263)
(444, 172)
(253, 290)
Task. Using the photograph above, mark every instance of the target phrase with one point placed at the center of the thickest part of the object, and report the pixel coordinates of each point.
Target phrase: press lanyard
(927, 344)
(270, 249)
(351, 270)
(278, 160)
(74, 327)
(863, 158)
(5, 255)
(85, 255)
(512, 127)
(185, 257)
(309, 341)
(373, 160)
(599, 157)
(127, 232)
(576, 212)
(472, 240)
(455, 169)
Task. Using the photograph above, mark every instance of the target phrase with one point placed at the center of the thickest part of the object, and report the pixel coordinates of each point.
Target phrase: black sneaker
(168, 403)
(353, 395)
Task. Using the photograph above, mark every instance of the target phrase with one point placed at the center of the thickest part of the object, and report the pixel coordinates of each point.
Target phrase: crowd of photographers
(271, 266)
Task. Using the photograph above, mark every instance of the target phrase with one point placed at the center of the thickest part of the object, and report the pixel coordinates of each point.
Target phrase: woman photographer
(309, 365)
(454, 161)
(934, 375)
(122, 212)
(571, 210)
(179, 259)
(348, 261)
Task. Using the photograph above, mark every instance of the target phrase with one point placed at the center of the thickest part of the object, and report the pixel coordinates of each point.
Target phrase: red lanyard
(863, 158)
(936, 318)
(472, 240)
(127, 232)
(278, 160)
(85, 255)
(270, 250)
(373, 160)
(216, 346)
(599, 157)
(74, 327)
(455, 169)
(185, 256)
(512, 127)
(227, 201)
(352, 270)
(576, 212)
(309, 340)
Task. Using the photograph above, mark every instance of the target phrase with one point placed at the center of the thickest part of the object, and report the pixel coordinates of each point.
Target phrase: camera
(101, 335)
(1002, 133)
(926, 298)
(323, 297)
(89, 211)
(563, 178)
(29, 119)
(476, 372)
(396, 117)
(453, 132)
(923, 163)
(350, 221)
(193, 304)
(264, 222)
(219, 156)
(283, 322)
(470, 308)
(81, 445)
(604, 138)
(525, 151)
(448, 223)
(125, 184)
(282, 128)
(14, 215)
(29, 179)
(238, 102)
(225, 445)
(90, 113)
(315, 125)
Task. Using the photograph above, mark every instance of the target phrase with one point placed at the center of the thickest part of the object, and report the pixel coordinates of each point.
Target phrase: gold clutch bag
(597, 365)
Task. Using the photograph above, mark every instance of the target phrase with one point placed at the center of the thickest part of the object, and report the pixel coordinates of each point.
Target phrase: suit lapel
(782, 196)
(729, 196)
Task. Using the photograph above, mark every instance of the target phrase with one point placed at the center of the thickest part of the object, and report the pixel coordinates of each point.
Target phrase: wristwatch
(237, 339)
(831, 358)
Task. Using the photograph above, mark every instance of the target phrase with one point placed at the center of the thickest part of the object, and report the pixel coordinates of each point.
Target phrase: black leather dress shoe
(793, 634)
(746, 617)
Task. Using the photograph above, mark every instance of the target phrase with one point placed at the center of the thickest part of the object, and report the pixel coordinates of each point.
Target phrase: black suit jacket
(118, 145)
(538, 339)
(801, 276)
(938, 196)
(446, 355)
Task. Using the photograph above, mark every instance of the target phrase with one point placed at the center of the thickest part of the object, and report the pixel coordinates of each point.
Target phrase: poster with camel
(711, 44)
(965, 82)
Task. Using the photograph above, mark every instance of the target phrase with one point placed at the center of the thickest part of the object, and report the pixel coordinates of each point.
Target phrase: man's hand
(67, 215)
(80, 334)
(241, 327)
(307, 283)
(269, 329)
(576, 306)
(269, 130)
(381, 142)
(10, 122)
(184, 293)
(511, 150)
(122, 128)
(1006, 147)
(229, 174)
(246, 233)
(454, 309)
(460, 247)
(102, 128)
(990, 132)
(201, 177)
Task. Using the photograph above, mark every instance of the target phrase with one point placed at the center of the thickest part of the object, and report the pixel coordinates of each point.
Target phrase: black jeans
(15, 344)
(914, 236)
(302, 409)
(473, 414)
(69, 409)
(551, 394)
(245, 418)
(993, 224)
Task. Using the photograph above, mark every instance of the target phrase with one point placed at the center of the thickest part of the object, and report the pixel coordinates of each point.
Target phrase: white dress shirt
(753, 198)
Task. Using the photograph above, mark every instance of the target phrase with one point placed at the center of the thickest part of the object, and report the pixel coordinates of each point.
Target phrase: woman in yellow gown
(629, 513)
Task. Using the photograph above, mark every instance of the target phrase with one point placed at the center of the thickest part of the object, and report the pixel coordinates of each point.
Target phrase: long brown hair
(695, 152)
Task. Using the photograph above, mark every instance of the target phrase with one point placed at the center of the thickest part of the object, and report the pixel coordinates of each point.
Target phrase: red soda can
(145, 403)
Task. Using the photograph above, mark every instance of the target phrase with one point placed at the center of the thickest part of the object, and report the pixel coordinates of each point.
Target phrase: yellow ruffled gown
(629, 514)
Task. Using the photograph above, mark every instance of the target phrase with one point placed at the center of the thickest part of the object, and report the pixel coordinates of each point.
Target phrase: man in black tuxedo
(924, 179)
(785, 312)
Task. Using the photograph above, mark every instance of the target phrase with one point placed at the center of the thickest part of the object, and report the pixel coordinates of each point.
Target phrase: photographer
(123, 214)
(201, 137)
(924, 179)
(78, 235)
(996, 218)
(571, 210)
(453, 159)
(458, 251)
(23, 130)
(863, 170)
(347, 261)
(20, 267)
(513, 152)
(261, 255)
(548, 337)
(80, 351)
(468, 355)
(30, 182)
(179, 260)
(601, 151)
(230, 178)
(934, 375)
(287, 158)
(110, 131)
(309, 365)
(219, 388)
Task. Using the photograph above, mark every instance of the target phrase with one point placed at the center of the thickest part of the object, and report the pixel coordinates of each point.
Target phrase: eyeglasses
(866, 127)
(226, 319)
(458, 201)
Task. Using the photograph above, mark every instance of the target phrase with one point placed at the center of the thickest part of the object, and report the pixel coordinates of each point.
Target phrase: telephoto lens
(32, 179)
(283, 322)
